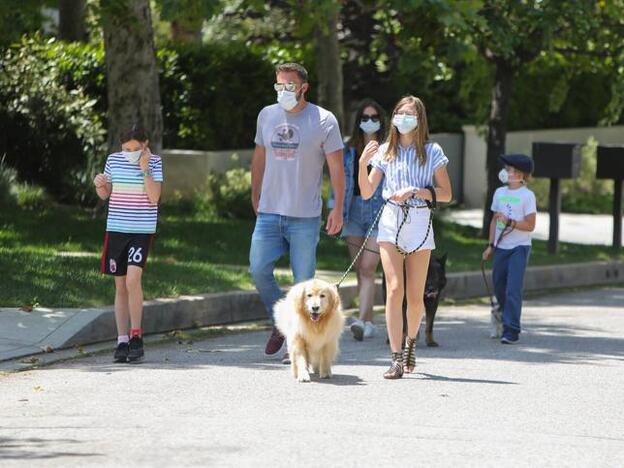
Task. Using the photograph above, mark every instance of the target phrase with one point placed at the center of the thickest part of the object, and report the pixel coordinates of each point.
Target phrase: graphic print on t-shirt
(285, 141)
(507, 201)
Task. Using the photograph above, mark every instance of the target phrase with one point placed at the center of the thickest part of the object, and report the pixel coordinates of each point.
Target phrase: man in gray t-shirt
(293, 140)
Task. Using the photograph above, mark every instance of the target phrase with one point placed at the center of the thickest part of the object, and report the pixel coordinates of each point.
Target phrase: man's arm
(257, 173)
(337, 178)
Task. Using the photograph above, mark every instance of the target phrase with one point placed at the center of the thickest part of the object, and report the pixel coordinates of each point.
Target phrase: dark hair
(357, 135)
(137, 132)
(293, 67)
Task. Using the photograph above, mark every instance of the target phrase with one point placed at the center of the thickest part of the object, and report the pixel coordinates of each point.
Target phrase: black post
(617, 213)
(554, 207)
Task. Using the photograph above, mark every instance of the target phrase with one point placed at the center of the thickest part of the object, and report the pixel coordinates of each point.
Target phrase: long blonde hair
(422, 131)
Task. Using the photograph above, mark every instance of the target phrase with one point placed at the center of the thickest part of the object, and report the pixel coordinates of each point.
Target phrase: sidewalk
(45, 330)
(574, 228)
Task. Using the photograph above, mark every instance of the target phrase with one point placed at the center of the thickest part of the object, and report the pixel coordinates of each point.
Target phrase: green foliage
(212, 94)
(230, 193)
(18, 17)
(8, 179)
(53, 135)
(31, 197)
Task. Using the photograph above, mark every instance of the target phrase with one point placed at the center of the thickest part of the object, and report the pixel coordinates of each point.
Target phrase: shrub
(52, 134)
(212, 93)
(230, 193)
(8, 178)
(31, 197)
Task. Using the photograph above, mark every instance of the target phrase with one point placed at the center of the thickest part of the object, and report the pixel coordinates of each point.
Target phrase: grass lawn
(51, 257)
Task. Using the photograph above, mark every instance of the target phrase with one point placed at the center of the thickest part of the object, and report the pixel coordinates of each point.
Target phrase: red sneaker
(275, 343)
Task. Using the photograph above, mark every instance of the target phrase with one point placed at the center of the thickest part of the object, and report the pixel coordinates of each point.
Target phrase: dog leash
(503, 233)
(363, 246)
(405, 207)
(432, 205)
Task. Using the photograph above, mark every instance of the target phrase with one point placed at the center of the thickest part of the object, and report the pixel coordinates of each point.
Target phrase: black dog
(435, 283)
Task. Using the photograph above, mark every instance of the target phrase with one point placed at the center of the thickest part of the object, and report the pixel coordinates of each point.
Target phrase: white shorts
(413, 231)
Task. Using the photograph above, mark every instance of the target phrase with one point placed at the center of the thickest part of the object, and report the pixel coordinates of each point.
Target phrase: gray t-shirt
(296, 146)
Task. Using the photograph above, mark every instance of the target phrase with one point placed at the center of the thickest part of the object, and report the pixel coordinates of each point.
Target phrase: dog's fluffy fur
(311, 319)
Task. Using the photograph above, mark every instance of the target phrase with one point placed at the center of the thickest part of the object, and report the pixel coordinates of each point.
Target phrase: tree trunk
(132, 73)
(72, 20)
(329, 66)
(497, 133)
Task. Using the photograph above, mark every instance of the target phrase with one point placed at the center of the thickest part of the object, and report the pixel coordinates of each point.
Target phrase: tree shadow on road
(35, 448)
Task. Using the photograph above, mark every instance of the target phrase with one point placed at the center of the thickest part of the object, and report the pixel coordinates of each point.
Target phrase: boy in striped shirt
(132, 182)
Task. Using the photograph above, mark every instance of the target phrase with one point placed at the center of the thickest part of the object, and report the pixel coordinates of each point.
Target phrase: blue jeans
(361, 216)
(274, 236)
(508, 278)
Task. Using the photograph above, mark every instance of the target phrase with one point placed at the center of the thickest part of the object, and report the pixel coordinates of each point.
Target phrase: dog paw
(303, 377)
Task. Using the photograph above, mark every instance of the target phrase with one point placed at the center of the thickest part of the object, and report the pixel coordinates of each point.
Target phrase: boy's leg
(267, 246)
(121, 306)
(302, 235)
(135, 295)
(499, 275)
(139, 246)
(517, 263)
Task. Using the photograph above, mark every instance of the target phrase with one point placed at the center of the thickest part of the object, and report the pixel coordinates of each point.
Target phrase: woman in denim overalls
(359, 214)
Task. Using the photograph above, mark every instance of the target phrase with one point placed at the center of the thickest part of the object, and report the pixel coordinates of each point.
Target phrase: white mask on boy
(132, 156)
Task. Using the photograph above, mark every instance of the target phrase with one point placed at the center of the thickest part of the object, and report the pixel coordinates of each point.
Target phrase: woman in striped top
(408, 163)
(131, 182)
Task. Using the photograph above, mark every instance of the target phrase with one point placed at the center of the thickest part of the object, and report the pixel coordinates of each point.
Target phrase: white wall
(186, 171)
(474, 177)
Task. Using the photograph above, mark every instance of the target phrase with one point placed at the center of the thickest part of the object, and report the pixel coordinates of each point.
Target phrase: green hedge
(53, 106)
(212, 94)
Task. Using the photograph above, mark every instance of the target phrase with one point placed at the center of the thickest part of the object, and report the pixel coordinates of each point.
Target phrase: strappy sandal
(396, 368)
(409, 360)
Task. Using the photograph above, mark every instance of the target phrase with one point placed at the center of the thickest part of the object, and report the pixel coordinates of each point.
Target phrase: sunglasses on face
(366, 118)
(285, 86)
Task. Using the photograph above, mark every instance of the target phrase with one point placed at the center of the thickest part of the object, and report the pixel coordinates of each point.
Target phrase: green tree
(511, 35)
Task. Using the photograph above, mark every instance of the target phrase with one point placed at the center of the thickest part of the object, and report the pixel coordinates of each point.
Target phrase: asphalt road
(555, 399)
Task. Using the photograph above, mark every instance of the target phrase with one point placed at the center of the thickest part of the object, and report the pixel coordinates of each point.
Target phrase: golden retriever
(311, 319)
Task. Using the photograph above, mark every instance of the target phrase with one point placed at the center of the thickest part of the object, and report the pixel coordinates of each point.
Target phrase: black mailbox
(557, 160)
(611, 166)
(610, 162)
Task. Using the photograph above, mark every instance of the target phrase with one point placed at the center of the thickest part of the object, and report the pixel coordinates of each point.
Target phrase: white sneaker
(369, 329)
(357, 328)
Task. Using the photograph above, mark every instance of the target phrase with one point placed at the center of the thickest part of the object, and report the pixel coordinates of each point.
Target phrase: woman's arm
(443, 190)
(368, 182)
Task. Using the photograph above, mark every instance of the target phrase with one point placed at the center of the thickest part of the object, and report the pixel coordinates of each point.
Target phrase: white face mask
(503, 176)
(405, 123)
(132, 156)
(287, 99)
(369, 127)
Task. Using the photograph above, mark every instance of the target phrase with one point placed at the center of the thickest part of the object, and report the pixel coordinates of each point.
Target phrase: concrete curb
(470, 284)
(77, 327)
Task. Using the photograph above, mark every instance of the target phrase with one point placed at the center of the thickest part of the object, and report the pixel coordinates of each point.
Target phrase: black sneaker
(121, 353)
(135, 352)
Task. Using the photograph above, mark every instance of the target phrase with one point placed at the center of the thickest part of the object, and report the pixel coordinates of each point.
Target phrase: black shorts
(122, 249)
